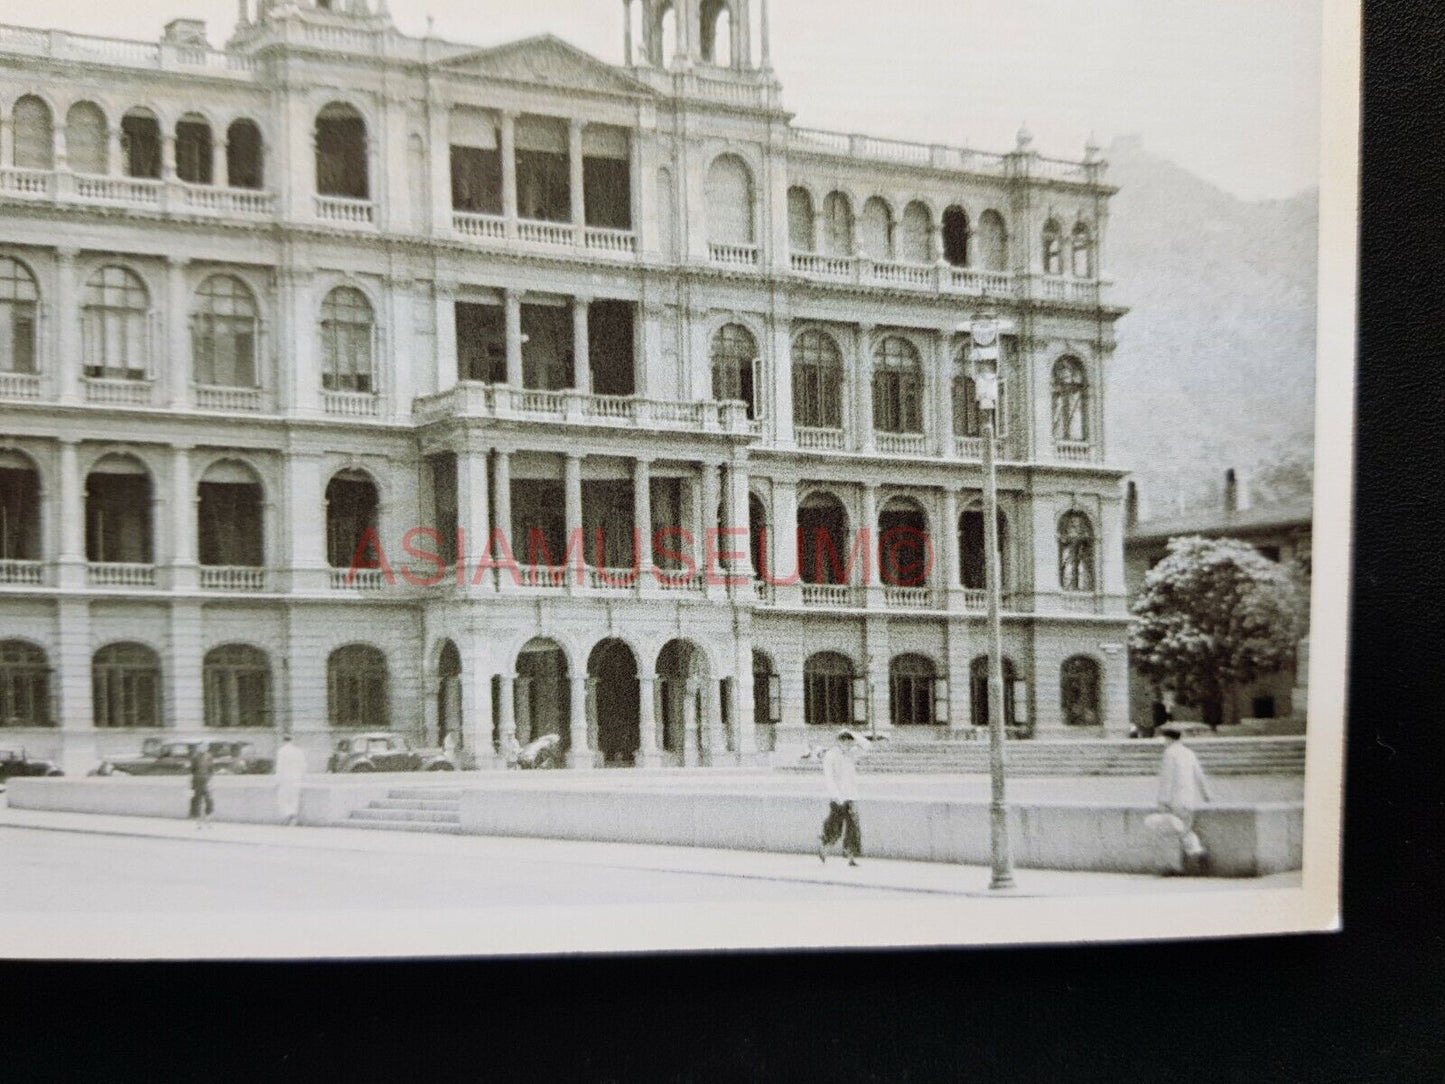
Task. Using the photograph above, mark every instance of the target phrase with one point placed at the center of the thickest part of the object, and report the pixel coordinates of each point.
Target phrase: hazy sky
(1228, 88)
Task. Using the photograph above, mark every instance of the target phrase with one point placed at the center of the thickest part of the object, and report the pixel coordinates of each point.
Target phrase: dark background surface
(1365, 1005)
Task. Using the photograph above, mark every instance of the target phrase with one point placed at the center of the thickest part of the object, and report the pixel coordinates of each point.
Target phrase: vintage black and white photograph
(627, 475)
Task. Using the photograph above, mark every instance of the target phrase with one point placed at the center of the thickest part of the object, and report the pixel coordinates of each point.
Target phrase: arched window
(800, 220)
(716, 33)
(915, 238)
(729, 201)
(223, 333)
(126, 686)
(19, 508)
(237, 683)
(356, 688)
(913, 691)
(967, 414)
(817, 381)
(1076, 552)
(897, 387)
(341, 155)
(19, 308)
(972, 549)
(955, 236)
(346, 341)
(1079, 691)
(877, 232)
(34, 134)
(905, 556)
(351, 511)
(1071, 400)
(230, 517)
(24, 685)
(664, 35)
(118, 512)
(828, 690)
(734, 355)
(1081, 252)
(244, 154)
(837, 225)
(992, 241)
(978, 690)
(193, 150)
(114, 325)
(87, 143)
(140, 144)
(1053, 248)
(822, 540)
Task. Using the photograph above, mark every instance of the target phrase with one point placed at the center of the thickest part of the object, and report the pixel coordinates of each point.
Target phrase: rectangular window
(610, 347)
(546, 347)
(118, 518)
(476, 180)
(229, 524)
(481, 343)
(17, 332)
(607, 192)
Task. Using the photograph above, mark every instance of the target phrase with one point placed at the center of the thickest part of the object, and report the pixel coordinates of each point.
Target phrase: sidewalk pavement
(933, 878)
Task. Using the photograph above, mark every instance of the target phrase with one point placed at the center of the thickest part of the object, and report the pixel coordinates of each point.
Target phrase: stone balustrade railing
(470, 399)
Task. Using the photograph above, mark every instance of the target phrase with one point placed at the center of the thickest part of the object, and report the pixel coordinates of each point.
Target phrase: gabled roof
(1220, 523)
(547, 60)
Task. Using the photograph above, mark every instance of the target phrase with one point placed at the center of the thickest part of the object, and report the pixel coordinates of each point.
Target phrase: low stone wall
(1244, 841)
(237, 798)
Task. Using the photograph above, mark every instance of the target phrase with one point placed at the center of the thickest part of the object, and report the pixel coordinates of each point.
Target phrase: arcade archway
(612, 668)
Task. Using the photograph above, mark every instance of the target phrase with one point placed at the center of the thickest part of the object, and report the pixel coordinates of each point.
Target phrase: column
(572, 499)
(506, 718)
(580, 754)
(738, 519)
(627, 32)
(306, 521)
(67, 327)
(502, 509)
(863, 389)
(581, 354)
(782, 374)
(185, 504)
(783, 544)
(115, 160)
(642, 520)
(300, 326)
(448, 360)
(522, 709)
(473, 508)
(168, 157)
(873, 590)
(74, 711)
(950, 575)
(942, 392)
(7, 142)
(177, 324)
(576, 183)
(691, 739)
(744, 725)
(707, 526)
(70, 516)
(647, 754)
(184, 706)
(714, 741)
(509, 171)
(513, 303)
(438, 164)
(218, 161)
(476, 708)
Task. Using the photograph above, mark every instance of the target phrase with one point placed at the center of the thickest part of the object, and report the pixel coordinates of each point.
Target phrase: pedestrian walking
(202, 768)
(840, 776)
(290, 769)
(1183, 788)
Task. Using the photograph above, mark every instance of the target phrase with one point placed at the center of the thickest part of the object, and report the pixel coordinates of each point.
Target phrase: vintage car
(383, 751)
(15, 763)
(159, 757)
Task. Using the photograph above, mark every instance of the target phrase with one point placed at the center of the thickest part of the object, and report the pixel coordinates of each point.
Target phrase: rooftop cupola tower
(692, 33)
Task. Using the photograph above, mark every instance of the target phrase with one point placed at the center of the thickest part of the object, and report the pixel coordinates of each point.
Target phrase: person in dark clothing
(202, 768)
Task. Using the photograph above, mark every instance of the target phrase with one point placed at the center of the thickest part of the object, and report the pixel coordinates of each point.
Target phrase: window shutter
(860, 700)
(940, 701)
(775, 698)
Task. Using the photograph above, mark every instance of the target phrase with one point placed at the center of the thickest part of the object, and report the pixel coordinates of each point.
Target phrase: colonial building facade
(280, 322)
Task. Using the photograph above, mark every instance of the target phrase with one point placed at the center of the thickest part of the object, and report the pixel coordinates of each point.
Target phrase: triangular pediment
(546, 61)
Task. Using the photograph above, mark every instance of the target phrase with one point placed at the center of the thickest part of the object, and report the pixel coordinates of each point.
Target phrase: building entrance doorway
(449, 694)
(681, 685)
(613, 670)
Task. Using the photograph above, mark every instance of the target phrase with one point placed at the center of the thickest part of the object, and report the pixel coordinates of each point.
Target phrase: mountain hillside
(1215, 365)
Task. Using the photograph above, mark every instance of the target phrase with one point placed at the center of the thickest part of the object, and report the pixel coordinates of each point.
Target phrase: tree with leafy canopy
(1213, 615)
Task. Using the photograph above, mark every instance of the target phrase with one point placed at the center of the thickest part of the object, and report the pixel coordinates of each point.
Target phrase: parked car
(159, 757)
(385, 752)
(16, 763)
(545, 752)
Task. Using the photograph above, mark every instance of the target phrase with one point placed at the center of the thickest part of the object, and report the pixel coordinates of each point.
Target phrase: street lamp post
(983, 331)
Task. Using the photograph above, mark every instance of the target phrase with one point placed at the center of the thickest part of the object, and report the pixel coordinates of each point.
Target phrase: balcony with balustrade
(15, 572)
(232, 578)
(120, 574)
(111, 391)
(471, 399)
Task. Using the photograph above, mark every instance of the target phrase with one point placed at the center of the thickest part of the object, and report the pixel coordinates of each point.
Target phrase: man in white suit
(1183, 788)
